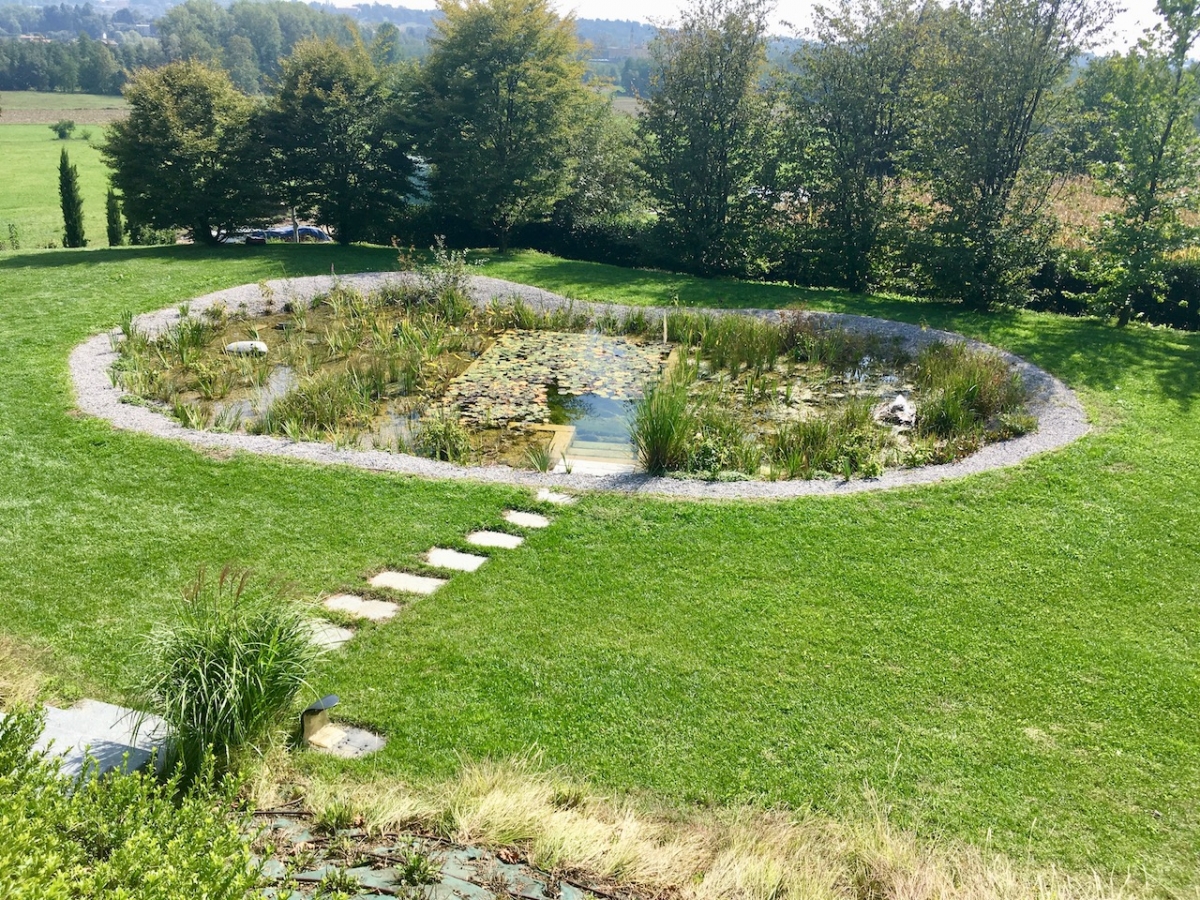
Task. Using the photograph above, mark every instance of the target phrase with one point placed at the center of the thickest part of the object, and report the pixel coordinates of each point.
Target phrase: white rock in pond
(246, 348)
(900, 411)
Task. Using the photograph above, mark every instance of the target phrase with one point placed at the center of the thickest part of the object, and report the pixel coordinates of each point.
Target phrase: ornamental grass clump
(664, 422)
(965, 392)
(226, 673)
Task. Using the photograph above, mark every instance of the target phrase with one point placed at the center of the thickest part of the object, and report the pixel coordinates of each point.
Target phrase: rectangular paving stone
(353, 605)
(346, 741)
(495, 539)
(452, 559)
(545, 495)
(525, 519)
(407, 583)
(328, 635)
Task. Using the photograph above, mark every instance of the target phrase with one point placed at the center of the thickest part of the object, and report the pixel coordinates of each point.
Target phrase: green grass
(31, 200)
(11, 101)
(1009, 659)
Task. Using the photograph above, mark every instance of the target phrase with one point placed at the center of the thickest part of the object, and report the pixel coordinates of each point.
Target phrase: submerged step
(407, 583)
(453, 559)
(495, 539)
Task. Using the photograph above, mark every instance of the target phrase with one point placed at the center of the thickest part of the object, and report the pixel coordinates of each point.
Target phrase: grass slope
(31, 201)
(1009, 659)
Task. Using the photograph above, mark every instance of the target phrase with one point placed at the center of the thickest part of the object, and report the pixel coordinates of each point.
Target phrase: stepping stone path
(103, 732)
(349, 742)
(406, 582)
(525, 519)
(496, 539)
(452, 559)
(353, 605)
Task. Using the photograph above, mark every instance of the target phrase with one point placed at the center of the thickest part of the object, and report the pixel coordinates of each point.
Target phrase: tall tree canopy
(707, 125)
(184, 158)
(502, 100)
(341, 154)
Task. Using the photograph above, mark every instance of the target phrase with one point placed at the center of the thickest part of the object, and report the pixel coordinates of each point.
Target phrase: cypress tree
(112, 210)
(72, 202)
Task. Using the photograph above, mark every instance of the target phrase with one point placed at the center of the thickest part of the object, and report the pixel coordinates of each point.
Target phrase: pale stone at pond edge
(246, 348)
(525, 519)
(407, 583)
(495, 539)
(452, 559)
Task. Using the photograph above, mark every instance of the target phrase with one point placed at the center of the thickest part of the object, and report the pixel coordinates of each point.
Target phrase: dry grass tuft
(629, 847)
(21, 679)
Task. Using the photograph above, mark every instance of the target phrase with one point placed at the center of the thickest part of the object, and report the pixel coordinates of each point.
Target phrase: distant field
(38, 108)
(29, 190)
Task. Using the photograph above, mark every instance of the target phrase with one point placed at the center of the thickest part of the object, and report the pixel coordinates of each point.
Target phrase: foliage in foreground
(227, 670)
(121, 836)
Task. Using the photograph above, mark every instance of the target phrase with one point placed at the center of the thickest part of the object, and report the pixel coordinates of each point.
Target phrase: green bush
(226, 672)
(121, 836)
(442, 436)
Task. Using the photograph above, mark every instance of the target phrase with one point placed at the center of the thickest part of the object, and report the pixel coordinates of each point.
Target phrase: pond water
(601, 425)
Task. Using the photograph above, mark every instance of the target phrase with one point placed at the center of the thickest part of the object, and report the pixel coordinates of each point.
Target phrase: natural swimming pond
(410, 370)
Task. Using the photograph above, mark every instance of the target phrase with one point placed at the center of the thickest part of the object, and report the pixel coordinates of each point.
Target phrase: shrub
(226, 672)
(63, 129)
(124, 835)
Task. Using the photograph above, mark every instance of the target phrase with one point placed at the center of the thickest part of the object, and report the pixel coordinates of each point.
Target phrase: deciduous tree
(502, 101)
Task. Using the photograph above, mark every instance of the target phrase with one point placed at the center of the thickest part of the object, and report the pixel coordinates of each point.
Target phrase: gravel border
(1061, 418)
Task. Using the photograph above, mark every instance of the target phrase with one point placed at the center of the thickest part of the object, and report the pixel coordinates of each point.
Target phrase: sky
(1126, 28)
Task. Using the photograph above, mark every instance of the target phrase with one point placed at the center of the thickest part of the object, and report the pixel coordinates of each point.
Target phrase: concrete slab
(495, 539)
(406, 582)
(329, 636)
(545, 495)
(525, 519)
(452, 559)
(360, 608)
(104, 731)
(346, 741)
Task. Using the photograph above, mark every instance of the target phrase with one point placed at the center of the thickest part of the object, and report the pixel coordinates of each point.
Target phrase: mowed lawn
(1009, 659)
(29, 156)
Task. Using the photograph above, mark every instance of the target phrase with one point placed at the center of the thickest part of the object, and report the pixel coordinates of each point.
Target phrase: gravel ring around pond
(1061, 418)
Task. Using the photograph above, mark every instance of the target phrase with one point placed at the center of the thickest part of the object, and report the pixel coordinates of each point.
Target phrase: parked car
(307, 233)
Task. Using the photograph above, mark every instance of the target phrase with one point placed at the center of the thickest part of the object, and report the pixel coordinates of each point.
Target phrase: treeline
(86, 65)
(914, 147)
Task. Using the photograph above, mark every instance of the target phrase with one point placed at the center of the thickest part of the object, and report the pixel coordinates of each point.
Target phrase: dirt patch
(80, 117)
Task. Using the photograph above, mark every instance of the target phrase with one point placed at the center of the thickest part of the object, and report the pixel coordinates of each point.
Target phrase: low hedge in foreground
(120, 836)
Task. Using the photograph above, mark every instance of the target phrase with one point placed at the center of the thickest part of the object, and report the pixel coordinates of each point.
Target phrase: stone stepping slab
(442, 558)
(103, 732)
(525, 519)
(497, 539)
(346, 741)
(406, 582)
(329, 636)
(361, 608)
(545, 495)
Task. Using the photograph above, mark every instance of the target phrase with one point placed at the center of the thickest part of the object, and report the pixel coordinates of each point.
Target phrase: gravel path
(1061, 418)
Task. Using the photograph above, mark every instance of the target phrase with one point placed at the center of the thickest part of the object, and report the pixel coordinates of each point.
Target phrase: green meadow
(1008, 659)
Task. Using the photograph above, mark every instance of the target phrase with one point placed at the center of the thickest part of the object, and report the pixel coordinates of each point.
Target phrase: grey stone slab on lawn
(361, 608)
(453, 559)
(103, 731)
(496, 539)
(346, 741)
(407, 583)
(328, 635)
(545, 495)
(525, 519)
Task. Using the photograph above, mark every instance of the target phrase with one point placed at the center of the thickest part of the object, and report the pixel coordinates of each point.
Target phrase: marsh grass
(226, 671)
(966, 392)
(663, 423)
